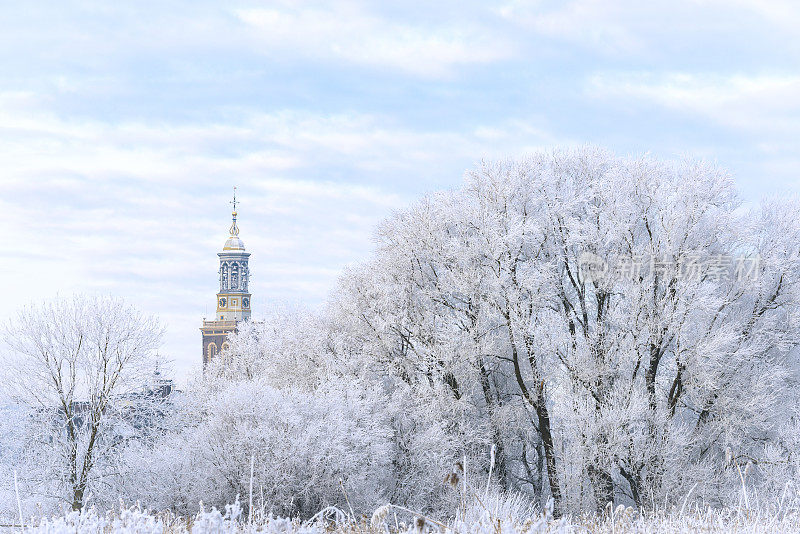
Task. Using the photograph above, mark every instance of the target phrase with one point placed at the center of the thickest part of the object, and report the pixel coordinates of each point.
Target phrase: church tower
(233, 298)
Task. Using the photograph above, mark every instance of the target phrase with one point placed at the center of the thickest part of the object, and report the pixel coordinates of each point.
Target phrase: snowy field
(389, 520)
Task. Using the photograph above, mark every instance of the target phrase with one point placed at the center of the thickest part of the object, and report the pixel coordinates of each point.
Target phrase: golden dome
(233, 243)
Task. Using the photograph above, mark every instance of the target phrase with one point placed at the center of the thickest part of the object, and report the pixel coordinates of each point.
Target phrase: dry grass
(497, 515)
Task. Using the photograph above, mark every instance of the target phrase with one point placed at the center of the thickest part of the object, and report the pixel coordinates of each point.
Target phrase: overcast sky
(124, 129)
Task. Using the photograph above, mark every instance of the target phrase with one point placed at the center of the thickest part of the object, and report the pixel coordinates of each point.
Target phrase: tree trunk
(650, 374)
(634, 483)
(549, 450)
(77, 498)
(603, 486)
(500, 456)
(543, 419)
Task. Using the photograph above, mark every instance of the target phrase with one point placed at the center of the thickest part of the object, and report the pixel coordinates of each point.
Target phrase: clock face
(246, 302)
(222, 303)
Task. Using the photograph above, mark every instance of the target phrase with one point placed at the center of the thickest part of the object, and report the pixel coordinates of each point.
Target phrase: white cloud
(349, 33)
(781, 13)
(667, 29)
(604, 26)
(763, 104)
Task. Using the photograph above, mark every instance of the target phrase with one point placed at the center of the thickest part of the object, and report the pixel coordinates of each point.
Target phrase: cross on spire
(234, 199)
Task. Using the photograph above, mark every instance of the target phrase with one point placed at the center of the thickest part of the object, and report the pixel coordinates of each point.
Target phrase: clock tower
(233, 298)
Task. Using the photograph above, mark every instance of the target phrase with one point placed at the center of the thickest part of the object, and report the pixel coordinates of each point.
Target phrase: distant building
(145, 409)
(233, 299)
(136, 413)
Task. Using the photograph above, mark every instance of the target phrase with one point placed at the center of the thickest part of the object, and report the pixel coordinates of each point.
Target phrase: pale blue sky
(125, 125)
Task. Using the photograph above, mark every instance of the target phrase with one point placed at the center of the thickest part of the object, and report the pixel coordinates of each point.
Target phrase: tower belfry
(233, 298)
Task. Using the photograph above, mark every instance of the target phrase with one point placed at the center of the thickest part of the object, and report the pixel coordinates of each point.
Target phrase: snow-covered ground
(390, 520)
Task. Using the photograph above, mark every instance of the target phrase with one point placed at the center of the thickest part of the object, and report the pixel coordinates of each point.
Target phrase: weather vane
(234, 198)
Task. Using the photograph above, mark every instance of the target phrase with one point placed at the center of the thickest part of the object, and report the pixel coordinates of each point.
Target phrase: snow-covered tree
(69, 360)
(306, 450)
(629, 381)
(316, 428)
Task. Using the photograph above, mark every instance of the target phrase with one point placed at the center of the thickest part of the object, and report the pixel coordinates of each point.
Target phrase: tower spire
(234, 228)
(233, 298)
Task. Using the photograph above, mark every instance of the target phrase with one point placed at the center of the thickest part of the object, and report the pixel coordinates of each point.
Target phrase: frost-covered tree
(317, 428)
(69, 359)
(628, 382)
(285, 346)
(306, 449)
